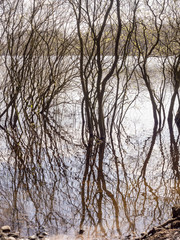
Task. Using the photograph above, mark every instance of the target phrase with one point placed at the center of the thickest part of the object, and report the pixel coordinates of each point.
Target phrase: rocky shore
(170, 230)
(7, 234)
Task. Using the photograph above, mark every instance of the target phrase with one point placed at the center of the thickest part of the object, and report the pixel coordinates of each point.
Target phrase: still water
(48, 178)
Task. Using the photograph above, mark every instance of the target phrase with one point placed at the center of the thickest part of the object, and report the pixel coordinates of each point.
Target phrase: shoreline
(169, 230)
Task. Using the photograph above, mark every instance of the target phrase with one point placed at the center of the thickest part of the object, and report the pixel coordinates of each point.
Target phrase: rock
(6, 229)
(14, 235)
(176, 211)
(175, 224)
(33, 237)
(11, 238)
(4, 238)
(166, 234)
(1, 233)
(40, 236)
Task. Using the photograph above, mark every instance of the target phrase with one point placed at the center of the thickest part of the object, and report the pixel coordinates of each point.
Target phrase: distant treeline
(144, 36)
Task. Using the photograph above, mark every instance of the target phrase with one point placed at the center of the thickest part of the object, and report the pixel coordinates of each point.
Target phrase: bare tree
(36, 63)
(146, 40)
(99, 30)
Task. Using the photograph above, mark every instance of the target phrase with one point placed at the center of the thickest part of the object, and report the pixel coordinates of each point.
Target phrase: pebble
(5, 229)
(11, 238)
(33, 237)
(175, 224)
(176, 211)
(15, 235)
(6, 234)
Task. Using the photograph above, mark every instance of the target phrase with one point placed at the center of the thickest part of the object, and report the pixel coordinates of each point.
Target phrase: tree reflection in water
(50, 181)
(85, 97)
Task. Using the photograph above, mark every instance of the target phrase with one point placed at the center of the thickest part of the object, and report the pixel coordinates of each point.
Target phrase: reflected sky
(50, 178)
(54, 182)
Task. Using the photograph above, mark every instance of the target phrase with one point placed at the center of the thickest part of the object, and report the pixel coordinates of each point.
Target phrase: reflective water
(48, 178)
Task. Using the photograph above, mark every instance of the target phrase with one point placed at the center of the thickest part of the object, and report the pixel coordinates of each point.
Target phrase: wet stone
(33, 237)
(11, 238)
(175, 224)
(40, 236)
(6, 234)
(6, 229)
(176, 211)
(4, 237)
(15, 235)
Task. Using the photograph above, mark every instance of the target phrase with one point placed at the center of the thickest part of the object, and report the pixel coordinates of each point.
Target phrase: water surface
(48, 177)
